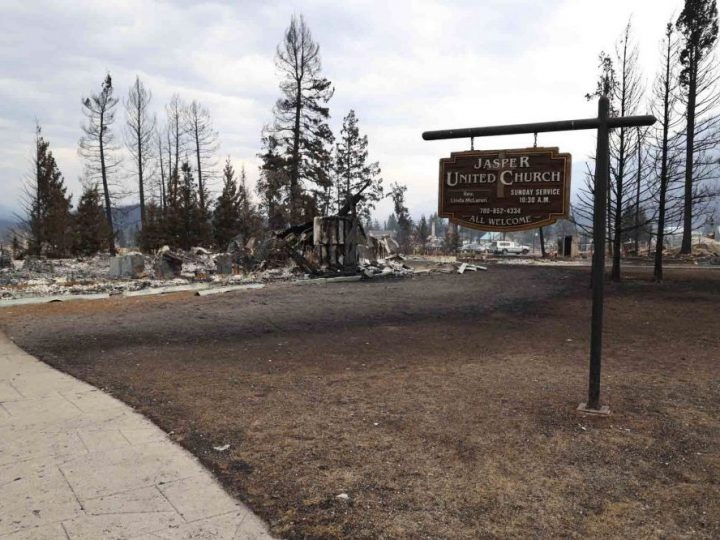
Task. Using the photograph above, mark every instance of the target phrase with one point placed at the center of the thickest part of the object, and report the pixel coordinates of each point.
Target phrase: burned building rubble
(335, 247)
(339, 245)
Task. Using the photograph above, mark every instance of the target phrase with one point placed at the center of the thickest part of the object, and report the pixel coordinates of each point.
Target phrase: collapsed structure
(339, 245)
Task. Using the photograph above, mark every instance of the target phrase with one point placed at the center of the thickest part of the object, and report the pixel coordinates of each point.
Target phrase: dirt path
(443, 406)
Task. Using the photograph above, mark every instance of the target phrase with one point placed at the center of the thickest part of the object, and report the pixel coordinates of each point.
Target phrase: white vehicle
(502, 247)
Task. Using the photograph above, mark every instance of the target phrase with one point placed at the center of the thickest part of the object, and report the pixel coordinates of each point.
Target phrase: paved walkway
(77, 463)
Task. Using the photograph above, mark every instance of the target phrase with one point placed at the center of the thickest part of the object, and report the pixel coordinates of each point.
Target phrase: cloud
(405, 67)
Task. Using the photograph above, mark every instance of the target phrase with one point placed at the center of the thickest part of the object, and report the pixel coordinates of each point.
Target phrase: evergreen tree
(273, 185)
(402, 216)
(353, 171)
(185, 222)
(91, 227)
(226, 216)
(391, 223)
(49, 219)
(300, 127)
(250, 221)
(204, 218)
(423, 231)
(194, 218)
(187, 208)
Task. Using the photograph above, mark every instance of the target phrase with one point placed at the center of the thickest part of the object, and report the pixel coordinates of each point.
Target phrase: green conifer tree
(91, 226)
(352, 170)
(423, 231)
(49, 219)
(273, 185)
(226, 216)
(192, 225)
(402, 216)
(250, 220)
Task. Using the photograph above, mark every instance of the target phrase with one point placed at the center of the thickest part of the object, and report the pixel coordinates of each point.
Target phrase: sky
(404, 66)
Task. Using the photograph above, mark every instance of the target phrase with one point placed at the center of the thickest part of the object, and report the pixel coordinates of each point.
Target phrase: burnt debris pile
(338, 245)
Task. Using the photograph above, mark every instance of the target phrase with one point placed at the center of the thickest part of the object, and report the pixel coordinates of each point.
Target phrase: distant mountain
(7, 226)
(126, 222)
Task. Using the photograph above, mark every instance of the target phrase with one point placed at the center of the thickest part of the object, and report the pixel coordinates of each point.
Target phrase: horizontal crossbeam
(539, 127)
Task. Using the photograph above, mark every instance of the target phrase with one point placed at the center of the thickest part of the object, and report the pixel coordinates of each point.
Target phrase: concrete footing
(604, 410)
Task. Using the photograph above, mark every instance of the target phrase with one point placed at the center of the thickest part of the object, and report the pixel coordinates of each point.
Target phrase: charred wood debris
(338, 245)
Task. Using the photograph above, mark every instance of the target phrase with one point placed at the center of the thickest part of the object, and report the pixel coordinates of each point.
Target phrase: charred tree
(175, 134)
(204, 141)
(139, 134)
(301, 115)
(698, 25)
(97, 146)
(543, 253)
(620, 79)
(161, 165)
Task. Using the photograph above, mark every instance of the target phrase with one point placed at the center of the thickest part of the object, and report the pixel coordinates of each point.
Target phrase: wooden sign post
(473, 205)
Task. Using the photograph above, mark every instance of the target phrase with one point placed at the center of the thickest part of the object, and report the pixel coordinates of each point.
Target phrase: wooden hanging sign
(505, 190)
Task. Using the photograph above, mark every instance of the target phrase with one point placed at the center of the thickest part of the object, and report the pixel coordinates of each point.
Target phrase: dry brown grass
(443, 406)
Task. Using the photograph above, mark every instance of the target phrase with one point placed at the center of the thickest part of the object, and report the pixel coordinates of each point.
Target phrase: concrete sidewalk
(77, 463)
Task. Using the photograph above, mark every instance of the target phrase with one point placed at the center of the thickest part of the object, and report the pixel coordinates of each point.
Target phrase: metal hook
(535, 143)
(472, 143)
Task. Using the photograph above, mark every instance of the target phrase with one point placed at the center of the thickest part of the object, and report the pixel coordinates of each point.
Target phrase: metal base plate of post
(602, 411)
